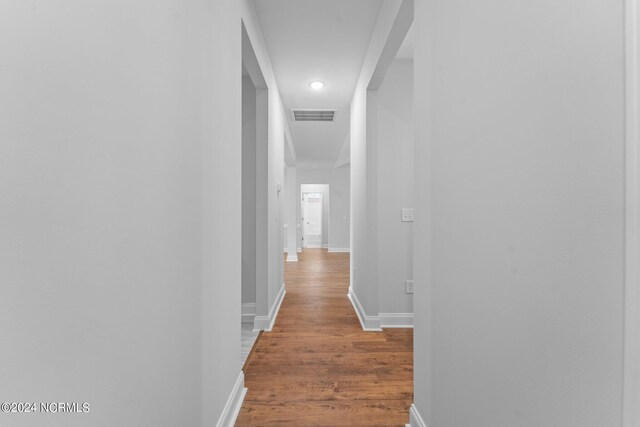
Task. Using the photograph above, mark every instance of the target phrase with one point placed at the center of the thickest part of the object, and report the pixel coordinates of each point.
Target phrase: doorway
(314, 215)
(254, 224)
(312, 207)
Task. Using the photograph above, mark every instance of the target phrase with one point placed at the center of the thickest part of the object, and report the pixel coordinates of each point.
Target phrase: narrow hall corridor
(318, 367)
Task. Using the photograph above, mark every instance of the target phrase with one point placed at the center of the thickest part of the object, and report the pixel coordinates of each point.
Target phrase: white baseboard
(325, 246)
(299, 249)
(396, 320)
(248, 308)
(265, 323)
(234, 403)
(368, 323)
(248, 311)
(292, 258)
(415, 419)
(339, 250)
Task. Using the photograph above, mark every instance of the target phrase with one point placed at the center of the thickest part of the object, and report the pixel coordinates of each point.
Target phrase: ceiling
(312, 40)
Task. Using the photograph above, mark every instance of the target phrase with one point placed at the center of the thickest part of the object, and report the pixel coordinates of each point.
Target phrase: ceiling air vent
(313, 115)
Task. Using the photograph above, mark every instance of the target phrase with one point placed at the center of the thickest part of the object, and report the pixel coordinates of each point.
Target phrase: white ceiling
(318, 40)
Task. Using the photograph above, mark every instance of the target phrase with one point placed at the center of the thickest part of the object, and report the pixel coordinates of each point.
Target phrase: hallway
(463, 177)
(318, 367)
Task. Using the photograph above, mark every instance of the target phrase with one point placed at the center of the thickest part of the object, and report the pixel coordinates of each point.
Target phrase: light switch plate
(407, 215)
(408, 286)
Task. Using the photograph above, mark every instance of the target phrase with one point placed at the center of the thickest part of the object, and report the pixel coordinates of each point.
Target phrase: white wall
(120, 219)
(393, 167)
(277, 128)
(248, 191)
(120, 209)
(339, 199)
(291, 214)
(262, 202)
(364, 155)
(360, 275)
(275, 199)
(519, 227)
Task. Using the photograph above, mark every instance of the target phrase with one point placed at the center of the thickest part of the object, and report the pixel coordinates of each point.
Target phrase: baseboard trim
(368, 323)
(248, 311)
(265, 323)
(396, 320)
(248, 308)
(415, 419)
(234, 403)
(324, 246)
(292, 258)
(339, 250)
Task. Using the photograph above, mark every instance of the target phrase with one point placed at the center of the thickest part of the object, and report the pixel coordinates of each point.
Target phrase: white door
(312, 220)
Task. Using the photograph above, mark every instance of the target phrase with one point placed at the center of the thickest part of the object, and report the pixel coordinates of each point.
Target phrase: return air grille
(314, 115)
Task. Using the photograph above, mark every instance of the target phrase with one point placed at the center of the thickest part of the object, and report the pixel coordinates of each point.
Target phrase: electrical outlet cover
(407, 215)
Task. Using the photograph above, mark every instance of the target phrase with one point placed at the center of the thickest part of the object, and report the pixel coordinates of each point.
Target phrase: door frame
(304, 204)
(631, 366)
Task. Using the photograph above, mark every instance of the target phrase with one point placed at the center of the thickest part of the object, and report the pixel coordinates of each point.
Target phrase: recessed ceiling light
(316, 85)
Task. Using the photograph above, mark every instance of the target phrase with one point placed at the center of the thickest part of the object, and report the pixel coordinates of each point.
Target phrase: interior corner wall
(519, 156)
(365, 289)
(262, 202)
(120, 210)
(285, 217)
(362, 277)
(275, 171)
(273, 175)
(291, 209)
(339, 199)
(393, 184)
(248, 191)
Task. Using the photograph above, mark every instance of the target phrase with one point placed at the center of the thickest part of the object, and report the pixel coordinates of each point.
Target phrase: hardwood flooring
(318, 367)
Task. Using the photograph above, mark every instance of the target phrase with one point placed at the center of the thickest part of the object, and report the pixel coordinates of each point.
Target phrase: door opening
(312, 207)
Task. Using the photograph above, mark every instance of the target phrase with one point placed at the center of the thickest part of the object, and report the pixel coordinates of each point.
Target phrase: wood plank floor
(317, 367)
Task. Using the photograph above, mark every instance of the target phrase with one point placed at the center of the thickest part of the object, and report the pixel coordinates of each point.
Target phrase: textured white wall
(519, 228)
